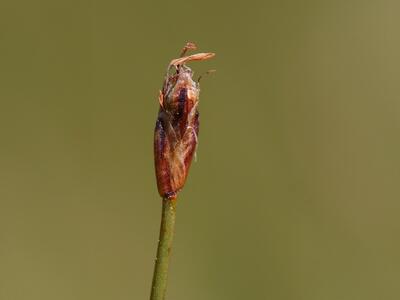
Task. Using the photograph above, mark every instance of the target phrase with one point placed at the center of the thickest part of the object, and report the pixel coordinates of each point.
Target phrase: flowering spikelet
(177, 125)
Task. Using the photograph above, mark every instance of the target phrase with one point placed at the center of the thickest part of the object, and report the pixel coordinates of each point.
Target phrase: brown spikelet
(177, 125)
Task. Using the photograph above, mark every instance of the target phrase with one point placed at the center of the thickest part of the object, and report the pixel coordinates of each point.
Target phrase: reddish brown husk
(177, 126)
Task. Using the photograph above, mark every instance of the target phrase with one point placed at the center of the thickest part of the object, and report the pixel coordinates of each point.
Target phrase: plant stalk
(167, 228)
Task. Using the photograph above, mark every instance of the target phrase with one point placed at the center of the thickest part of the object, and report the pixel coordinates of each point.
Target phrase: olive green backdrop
(295, 193)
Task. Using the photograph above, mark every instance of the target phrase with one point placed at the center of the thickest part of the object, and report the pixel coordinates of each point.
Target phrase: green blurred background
(295, 194)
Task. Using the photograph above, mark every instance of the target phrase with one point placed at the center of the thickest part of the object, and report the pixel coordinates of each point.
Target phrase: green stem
(159, 284)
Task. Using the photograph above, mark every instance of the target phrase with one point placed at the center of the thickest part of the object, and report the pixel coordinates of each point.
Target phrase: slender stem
(160, 275)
